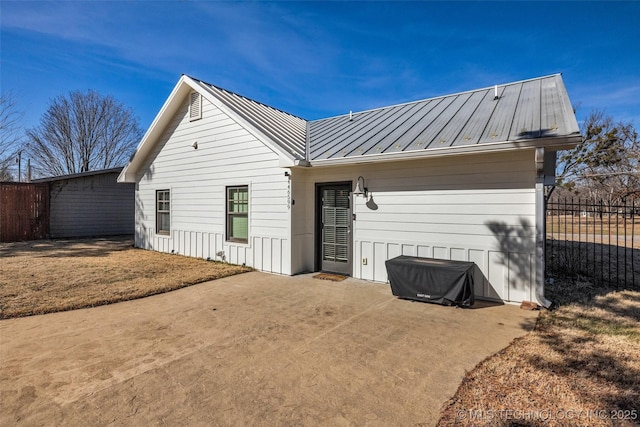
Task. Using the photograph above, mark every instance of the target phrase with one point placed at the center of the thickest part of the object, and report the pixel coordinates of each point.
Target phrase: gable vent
(195, 106)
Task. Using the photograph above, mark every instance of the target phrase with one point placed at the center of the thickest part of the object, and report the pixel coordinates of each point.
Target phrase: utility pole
(19, 161)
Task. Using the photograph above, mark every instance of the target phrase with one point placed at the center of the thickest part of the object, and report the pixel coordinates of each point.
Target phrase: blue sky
(320, 59)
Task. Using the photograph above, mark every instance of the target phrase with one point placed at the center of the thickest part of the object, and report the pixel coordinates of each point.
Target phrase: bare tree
(606, 163)
(81, 132)
(10, 134)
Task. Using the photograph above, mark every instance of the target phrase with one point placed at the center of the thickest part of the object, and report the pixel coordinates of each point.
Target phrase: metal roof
(522, 111)
(525, 114)
(79, 175)
(286, 130)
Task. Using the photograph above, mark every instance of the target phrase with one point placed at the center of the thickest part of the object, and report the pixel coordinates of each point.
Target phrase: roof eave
(556, 143)
(160, 122)
(184, 86)
(78, 175)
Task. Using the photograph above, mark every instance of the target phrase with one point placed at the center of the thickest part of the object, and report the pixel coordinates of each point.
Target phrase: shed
(457, 177)
(90, 204)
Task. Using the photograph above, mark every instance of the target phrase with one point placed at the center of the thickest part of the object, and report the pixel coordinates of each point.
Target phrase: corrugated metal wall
(95, 205)
(24, 211)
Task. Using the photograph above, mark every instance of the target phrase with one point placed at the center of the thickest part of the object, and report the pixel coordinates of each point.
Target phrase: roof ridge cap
(437, 97)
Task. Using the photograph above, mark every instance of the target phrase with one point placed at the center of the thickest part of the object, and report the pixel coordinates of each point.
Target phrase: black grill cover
(432, 280)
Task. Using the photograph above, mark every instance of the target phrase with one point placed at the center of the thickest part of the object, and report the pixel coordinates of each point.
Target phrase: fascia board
(566, 105)
(560, 143)
(160, 122)
(282, 153)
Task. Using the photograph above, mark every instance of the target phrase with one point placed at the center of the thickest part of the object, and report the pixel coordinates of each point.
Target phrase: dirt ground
(251, 349)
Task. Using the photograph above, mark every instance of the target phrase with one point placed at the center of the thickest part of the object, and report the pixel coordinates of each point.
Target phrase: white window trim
(158, 233)
(226, 216)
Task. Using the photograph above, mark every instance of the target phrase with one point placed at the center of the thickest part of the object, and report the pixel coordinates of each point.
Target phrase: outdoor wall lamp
(360, 190)
(540, 161)
(195, 145)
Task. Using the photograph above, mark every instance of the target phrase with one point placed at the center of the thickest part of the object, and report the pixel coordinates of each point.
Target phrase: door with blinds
(335, 228)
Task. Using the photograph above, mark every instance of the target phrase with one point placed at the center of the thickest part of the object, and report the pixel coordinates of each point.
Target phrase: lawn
(55, 275)
(611, 230)
(614, 225)
(580, 366)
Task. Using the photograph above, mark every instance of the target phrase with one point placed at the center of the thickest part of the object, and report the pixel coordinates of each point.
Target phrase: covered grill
(438, 281)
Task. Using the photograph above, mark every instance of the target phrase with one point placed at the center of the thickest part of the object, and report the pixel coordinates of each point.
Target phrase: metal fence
(24, 211)
(596, 241)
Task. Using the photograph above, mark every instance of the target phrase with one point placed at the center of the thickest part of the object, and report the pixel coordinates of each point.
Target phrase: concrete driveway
(253, 349)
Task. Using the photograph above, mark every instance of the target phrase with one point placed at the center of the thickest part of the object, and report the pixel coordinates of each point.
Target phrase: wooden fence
(24, 211)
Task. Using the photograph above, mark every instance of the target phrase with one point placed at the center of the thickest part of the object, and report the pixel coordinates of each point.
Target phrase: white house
(456, 177)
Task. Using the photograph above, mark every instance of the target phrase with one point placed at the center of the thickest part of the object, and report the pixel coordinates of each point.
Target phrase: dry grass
(614, 225)
(580, 366)
(48, 276)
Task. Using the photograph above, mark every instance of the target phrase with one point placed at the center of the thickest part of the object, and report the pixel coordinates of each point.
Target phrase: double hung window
(238, 214)
(163, 212)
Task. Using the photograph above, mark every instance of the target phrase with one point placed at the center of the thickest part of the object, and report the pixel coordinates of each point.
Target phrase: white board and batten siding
(478, 208)
(227, 155)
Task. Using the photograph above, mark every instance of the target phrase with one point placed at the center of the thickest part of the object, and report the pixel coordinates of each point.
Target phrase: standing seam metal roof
(522, 111)
(286, 130)
(525, 110)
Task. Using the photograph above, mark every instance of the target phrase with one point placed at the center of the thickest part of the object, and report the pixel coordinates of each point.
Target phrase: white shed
(456, 177)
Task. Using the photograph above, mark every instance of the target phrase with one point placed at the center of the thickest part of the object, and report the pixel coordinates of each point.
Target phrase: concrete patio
(252, 349)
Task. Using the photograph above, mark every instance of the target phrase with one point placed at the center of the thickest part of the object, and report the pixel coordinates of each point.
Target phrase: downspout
(540, 229)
